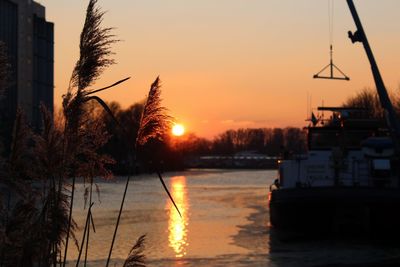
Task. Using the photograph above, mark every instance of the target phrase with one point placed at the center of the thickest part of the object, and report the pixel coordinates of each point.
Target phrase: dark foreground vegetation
(38, 168)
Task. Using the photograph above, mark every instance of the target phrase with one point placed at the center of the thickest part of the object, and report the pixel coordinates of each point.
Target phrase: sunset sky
(232, 63)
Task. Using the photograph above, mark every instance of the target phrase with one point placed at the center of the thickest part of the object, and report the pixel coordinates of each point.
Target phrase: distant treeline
(267, 141)
(172, 151)
(369, 100)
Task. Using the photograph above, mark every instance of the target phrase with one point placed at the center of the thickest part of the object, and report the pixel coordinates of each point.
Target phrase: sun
(178, 130)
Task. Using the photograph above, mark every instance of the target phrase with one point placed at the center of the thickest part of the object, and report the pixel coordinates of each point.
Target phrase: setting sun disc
(178, 130)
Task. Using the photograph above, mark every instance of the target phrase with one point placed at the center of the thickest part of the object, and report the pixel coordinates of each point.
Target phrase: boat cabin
(346, 149)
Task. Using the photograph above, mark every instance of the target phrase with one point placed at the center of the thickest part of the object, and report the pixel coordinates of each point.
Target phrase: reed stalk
(69, 220)
(95, 51)
(90, 220)
(87, 228)
(154, 123)
(118, 219)
(168, 193)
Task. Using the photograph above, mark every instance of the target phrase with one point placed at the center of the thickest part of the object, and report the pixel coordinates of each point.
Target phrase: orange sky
(232, 63)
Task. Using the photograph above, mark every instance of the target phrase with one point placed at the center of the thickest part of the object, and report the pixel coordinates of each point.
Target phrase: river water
(224, 223)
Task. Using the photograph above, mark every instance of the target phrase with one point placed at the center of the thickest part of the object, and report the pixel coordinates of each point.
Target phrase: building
(29, 39)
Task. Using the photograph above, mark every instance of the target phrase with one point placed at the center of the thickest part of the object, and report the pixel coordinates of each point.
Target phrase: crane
(390, 114)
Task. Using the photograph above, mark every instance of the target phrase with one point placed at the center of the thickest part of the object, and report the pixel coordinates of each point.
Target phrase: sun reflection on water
(177, 226)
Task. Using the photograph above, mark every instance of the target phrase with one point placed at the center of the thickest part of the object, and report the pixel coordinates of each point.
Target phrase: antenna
(331, 66)
(323, 104)
(308, 110)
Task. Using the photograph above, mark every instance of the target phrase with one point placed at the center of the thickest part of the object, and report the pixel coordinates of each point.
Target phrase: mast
(390, 114)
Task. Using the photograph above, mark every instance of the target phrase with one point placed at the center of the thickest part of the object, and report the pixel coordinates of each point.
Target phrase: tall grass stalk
(95, 51)
(118, 219)
(90, 221)
(87, 228)
(154, 123)
(69, 220)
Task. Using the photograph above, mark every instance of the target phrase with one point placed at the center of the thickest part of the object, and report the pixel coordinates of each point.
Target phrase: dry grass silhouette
(85, 135)
(40, 173)
(39, 219)
(154, 122)
(95, 49)
(136, 257)
(34, 221)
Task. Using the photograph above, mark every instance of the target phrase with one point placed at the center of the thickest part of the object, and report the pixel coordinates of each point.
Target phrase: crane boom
(390, 114)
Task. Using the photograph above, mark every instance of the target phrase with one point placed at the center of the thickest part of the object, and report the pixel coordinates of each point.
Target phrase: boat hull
(336, 210)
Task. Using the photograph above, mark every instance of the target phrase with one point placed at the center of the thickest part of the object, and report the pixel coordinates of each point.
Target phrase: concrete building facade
(29, 39)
